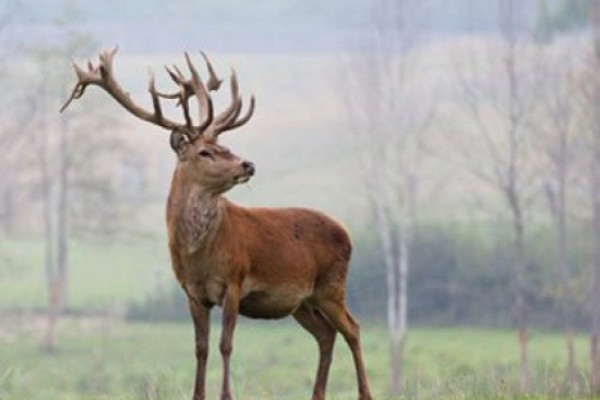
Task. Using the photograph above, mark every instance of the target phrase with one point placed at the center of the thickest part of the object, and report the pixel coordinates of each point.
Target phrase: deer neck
(201, 217)
(197, 213)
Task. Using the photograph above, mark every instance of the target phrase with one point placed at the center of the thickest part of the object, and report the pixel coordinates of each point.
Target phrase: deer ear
(179, 143)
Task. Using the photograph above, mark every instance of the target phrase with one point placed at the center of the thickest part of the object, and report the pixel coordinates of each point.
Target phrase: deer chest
(208, 292)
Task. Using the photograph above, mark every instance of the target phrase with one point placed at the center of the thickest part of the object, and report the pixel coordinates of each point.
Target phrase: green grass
(272, 360)
(103, 273)
(112, 360)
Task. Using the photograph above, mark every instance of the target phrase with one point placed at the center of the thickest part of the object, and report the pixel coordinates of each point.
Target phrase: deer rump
(296, 252)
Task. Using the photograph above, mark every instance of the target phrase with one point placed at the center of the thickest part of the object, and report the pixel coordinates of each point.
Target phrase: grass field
(113, 360)
(272, 360)
(103, 273)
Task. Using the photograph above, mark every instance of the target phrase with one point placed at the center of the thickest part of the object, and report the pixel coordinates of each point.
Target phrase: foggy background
(458, 141)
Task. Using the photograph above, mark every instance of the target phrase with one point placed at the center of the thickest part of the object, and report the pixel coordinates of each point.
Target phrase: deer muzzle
(248, 168)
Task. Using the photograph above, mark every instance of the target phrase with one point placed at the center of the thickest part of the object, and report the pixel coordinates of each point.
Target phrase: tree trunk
(400, 271)
(594, 304)
(595, 295)
(49, 343)
(398, 336)
(62, 223)
(384, 231)
(525, 377)
(49, 266)
(563, 272)
(595, 331)
(558, 211)
(397, 340)
(595, 357)
(520, 307)
(521, 318)
(572, 371)
(511, 189)
(9, 208)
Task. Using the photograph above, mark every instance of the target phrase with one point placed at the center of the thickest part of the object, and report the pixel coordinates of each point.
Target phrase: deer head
(202, 159)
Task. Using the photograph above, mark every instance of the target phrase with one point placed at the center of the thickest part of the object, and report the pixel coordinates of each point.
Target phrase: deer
(265, 263)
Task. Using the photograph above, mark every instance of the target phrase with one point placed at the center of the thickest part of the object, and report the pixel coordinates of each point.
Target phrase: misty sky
(146, 26)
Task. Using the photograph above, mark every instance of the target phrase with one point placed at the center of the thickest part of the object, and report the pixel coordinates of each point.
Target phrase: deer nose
(248, 167)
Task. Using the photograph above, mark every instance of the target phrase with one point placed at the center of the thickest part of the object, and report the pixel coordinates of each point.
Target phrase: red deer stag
(258, 262)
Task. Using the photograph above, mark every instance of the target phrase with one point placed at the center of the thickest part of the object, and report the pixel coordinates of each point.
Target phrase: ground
(107, 359)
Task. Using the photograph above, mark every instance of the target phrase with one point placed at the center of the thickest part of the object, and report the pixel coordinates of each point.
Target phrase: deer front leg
(201, 318)
(230, 312)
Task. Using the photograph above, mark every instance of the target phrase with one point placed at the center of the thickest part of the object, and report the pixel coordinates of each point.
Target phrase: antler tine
(204, 100)
(228, 119)
(184, 102)
(236, 101)
(186, 90)
(154, 94)
(102, 76)
(170, 96)
(106, 60)
(174, 77)
(179, 81)
(214, 83)
(241, 121)
(84, 78)
(235, 114)
(79, 87)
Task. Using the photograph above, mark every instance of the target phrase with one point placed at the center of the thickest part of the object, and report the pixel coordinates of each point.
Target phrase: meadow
(104, 272)
(112, 358)
(107, 359)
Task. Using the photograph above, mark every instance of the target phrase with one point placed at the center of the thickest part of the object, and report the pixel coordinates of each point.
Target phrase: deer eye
(204, 153)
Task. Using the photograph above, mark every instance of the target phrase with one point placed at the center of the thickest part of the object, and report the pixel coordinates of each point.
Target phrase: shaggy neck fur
(201, 216)
(197, 212)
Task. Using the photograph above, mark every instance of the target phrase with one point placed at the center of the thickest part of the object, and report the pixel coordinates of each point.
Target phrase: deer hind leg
(331, 301)
(314, 322)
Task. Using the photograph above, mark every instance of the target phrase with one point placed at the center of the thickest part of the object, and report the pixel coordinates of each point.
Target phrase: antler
(227, 120)
(102, 76)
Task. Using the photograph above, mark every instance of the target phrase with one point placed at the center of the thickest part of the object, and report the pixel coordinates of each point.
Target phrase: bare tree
(56, 171)
(593, 102)
(9, 11)
(40, 100)
(388, 113)
(498, 86)
(557, 121)
(35, 104)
